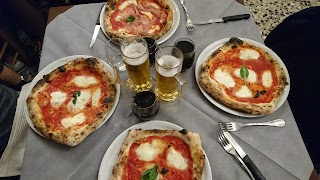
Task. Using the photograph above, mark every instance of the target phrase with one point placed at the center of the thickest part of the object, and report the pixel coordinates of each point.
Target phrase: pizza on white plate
(160, 154)
(70, 102)
(147, 18)
(243, 77)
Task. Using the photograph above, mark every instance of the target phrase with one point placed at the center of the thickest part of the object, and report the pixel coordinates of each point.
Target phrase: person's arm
(8, 75)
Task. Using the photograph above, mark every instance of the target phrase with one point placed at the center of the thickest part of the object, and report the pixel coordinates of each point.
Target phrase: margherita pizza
(148, 18)
(160, 154)
(243, 77)
(72, 101)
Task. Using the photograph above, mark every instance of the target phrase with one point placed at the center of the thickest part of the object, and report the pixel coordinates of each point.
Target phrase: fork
(189, 25)
(234, 126)
(230, 149)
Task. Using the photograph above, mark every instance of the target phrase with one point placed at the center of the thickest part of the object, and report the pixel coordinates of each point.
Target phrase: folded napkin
(12, 157)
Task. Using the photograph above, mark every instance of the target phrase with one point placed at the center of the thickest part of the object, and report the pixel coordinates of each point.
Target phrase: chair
(296, 40)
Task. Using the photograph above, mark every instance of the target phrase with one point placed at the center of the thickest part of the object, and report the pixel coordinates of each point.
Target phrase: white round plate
(174, 27)
(111, 156)
(214, 46)
(52, 67)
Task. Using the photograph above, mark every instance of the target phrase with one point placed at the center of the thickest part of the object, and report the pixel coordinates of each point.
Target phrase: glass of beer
(135, 56)
(169, 82)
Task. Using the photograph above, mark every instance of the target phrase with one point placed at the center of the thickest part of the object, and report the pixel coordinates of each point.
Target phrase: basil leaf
(150, 174)
(75, 96)
(244, 73)
(131, 18)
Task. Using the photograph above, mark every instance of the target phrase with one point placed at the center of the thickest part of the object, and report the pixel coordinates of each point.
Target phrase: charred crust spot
(164, 171)
(50, 135)
(164, 23)
(62, 68)
(257, 94)
(46, 78)
(184, 131)
(215, 53)
(82, 133)
(155, 130)
(263, 92)
(235, 40)
(167, 7)
(91, 61)
(234, 46)
(107, 100)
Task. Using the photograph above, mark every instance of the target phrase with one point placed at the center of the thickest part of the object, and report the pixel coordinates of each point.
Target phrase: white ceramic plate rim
(52, 67)
(174, 27)
(204, 55)
(111, 155)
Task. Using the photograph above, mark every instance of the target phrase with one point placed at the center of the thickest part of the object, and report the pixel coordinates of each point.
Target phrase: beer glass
(135, 56)
(169, 82)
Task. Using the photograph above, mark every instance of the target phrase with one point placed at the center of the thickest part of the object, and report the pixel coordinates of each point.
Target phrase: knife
(224, 19)
(251, 166)
(96, 30)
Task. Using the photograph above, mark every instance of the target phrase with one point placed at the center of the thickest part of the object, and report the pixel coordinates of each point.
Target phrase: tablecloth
(278, 152)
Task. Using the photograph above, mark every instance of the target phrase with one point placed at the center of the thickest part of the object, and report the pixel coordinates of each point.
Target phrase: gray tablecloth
(278, 152)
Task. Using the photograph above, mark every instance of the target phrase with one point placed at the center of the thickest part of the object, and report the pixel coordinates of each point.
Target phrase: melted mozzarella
(224, 78)
(153, 29)
(176, 159)
(148, 14)
(267, 79)
(148, 152)
(127, 3)
(118, 18)
(57, 98)
(248, 54)
(96, 97)
(244, 92)
(251, 78)
(77, 119)
(84, 81)
(81, 101)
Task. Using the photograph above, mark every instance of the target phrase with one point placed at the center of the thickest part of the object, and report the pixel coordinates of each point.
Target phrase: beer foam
(168, 61)
(134, 51)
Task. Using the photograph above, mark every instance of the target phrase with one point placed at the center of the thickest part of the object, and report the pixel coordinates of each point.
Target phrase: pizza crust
(215, 90)
(190, 138)
(111, 33)
(72, 135)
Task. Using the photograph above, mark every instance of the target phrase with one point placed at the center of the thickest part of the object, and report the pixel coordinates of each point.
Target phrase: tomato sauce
(135, 167)
(53, 116)
(230, 62)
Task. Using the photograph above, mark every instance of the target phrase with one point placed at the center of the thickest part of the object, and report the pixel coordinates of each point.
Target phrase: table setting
(228, 137)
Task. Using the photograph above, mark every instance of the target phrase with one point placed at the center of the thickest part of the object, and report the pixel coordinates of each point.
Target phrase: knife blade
(96, 29)
(224, 19)
(246, 159)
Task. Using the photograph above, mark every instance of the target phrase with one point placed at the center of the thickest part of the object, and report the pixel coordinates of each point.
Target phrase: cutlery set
(233, 148)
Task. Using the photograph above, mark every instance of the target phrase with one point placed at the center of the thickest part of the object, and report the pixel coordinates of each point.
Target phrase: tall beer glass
(169, 82)
(135, 55)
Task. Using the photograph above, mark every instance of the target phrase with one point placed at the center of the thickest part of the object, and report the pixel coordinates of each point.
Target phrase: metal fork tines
(189, 24)
(231, 150)
(234, 126)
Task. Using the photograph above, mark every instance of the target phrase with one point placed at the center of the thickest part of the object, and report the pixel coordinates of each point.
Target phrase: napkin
(12, 157)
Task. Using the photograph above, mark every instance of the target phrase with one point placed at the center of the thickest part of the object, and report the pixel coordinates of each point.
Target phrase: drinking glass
(135, 55)
(145, 105)
(169, 82)
(113, 53)
(187, 47)
(152, 48)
